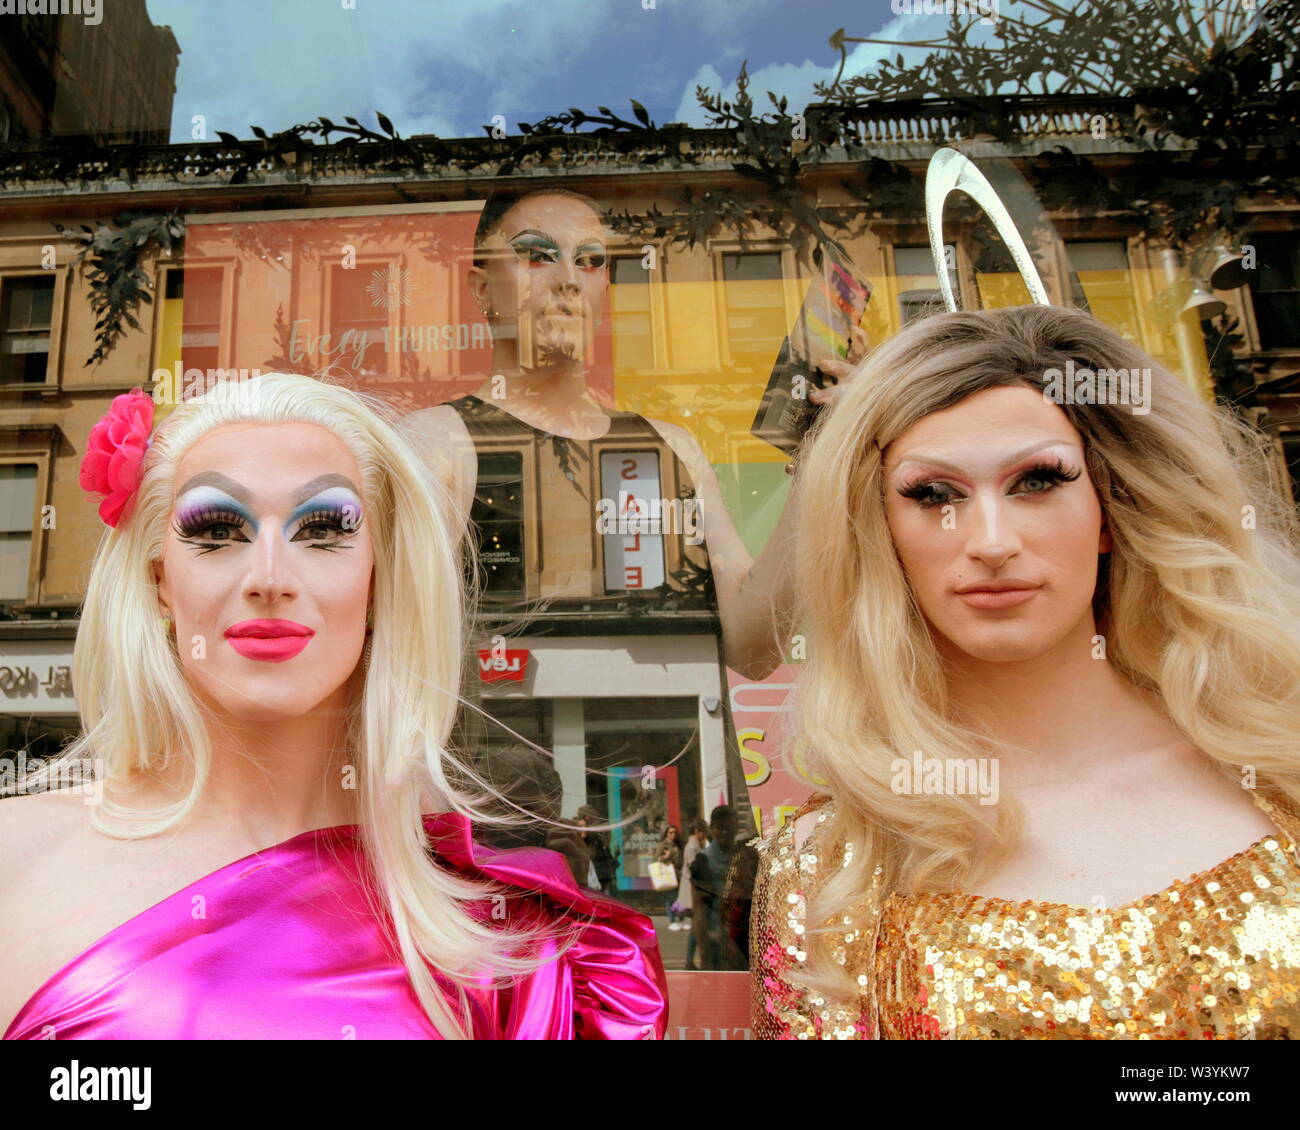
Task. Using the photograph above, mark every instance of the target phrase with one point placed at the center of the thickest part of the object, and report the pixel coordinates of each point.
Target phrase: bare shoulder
(793, 836)
(32, 825)
(803, 828)
(43, 830)
(788, 870)
(44, 834)
(817, 811)
(75, 883)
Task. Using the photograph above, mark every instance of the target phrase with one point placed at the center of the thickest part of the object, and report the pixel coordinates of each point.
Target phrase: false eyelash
(199, 520)
(1053, 471)
(923, 493)
(333, 516)
(527, 249)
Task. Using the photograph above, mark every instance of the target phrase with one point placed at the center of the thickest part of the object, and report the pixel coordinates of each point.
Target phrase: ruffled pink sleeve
(609, 984)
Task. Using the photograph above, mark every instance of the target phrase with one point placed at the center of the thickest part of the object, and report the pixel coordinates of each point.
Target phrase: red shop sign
(503, 666)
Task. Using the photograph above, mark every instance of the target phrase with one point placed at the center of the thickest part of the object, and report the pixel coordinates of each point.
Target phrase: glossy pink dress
(286, 947)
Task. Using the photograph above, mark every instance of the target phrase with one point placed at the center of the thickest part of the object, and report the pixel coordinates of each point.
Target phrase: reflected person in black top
(709, 894)
(540, 277)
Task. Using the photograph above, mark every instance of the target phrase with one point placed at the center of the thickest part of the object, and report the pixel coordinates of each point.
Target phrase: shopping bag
(663, 876)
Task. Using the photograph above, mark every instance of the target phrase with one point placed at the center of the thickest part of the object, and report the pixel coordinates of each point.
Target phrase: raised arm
(756, 597)
(743, 624)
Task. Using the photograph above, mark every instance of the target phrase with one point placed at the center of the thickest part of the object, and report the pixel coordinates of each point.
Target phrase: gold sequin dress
(1216, 956)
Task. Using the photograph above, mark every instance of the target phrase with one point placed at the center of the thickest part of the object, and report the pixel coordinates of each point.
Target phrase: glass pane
(1103, 271)
(1278, 263)
(757, 321)
(1291, 452)
(1278, 318)
(630, 307)
(17, 513)
(28, 304)
(15, 557)
(17, 496)
(573, 378)
(644, 775)
(919, 292)
(1099, 255)
(24, 358)
(201, 289)
(1276, 291)
(749, 266)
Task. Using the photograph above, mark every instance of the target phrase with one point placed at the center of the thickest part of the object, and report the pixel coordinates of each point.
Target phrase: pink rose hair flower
(114, 459)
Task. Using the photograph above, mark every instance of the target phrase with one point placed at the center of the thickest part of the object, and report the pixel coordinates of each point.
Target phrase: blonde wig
(1198, 601)
(139, 713)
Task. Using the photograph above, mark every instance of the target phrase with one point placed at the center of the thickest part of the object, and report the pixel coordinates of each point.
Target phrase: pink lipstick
(271, 641)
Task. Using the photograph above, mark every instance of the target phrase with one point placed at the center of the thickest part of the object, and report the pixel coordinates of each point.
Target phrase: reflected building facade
(598, 634)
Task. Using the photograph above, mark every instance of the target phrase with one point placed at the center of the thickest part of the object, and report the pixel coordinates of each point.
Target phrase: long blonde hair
(139, 712)
(1198, 601)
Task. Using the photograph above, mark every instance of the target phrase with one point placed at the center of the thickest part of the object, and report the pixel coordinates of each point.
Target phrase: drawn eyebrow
(533, 231)
(319, 484)
(241, 494)
(220, 481)
(594, 241)
(944, 465)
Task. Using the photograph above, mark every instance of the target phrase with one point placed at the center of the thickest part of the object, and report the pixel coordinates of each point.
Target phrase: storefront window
(498, 517)
(611, 320)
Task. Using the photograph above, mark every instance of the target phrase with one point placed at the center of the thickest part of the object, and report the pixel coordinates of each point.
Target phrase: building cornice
(310, 174)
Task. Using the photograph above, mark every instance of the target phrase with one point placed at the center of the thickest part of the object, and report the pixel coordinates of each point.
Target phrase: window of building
(1103, 270)
(498, 517)
(17, 513)
(754, 298)
(918, 285)
(26, 310)
(359, 317)
(1275, 290)
(634, 347)
(632, 491)
(199, 288)
(1291, 453)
